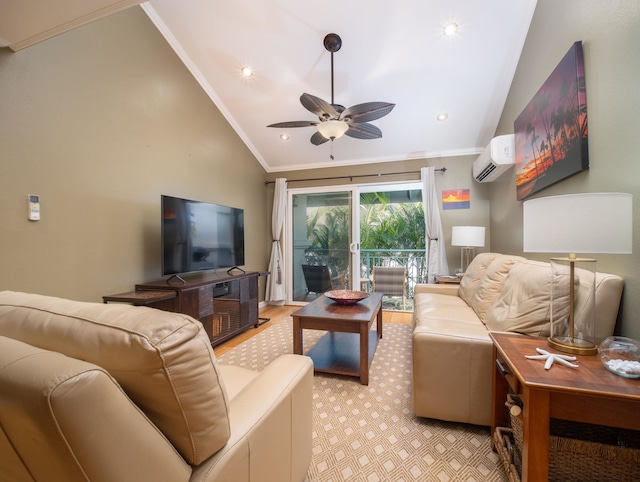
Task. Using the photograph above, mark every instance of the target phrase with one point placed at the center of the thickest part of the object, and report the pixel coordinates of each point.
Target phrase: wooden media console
(225, 304)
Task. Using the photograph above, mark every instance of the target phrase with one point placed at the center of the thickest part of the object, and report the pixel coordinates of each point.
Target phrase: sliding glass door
(335, 236)
(392, 234)
(322, 242)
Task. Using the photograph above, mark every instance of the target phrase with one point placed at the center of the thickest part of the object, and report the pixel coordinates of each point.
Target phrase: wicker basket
(583, 452)
(504, 445)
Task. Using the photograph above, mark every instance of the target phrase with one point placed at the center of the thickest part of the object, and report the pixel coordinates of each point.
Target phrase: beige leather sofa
(452, 350)
(95, 392)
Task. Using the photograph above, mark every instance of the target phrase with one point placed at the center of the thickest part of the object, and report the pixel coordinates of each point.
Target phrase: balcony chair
(319, 279)
(389, 281)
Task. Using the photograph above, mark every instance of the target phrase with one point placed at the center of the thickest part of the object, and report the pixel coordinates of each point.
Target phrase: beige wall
(457, 176)
(610, 32)
(101, 121)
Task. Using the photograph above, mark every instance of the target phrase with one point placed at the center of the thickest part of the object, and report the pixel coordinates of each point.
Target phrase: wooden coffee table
(349, 345)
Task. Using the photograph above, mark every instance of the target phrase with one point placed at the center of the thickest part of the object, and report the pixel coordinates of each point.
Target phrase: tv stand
(225, 304)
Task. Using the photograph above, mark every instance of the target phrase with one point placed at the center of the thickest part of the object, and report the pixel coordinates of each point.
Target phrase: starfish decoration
(551, 358)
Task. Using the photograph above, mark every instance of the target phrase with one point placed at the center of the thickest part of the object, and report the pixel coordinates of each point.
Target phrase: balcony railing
(413, 259)
(338, 261)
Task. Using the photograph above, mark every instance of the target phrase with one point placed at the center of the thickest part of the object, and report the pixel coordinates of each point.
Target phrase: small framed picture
(456, 199)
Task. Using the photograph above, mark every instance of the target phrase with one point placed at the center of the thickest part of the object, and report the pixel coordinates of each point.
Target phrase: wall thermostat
(34, 207)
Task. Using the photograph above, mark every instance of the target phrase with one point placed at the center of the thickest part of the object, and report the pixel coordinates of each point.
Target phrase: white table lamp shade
(468, 237)
(576, 223)
(472, 236)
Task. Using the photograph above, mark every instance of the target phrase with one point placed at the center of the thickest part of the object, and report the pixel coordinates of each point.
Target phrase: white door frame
(288, 238)
(354, 247)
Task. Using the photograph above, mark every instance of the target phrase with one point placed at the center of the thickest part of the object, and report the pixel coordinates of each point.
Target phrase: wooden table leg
(500, 388)
(535, 435)
(297, 336)
(364, 353)
(379, 317)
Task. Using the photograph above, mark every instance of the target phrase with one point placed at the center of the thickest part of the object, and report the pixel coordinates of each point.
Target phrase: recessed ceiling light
(442, 116)
(247, 71)
(284, 137)
(450, 29)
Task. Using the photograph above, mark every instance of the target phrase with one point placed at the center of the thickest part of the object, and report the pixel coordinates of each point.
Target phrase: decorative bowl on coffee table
(346, 297)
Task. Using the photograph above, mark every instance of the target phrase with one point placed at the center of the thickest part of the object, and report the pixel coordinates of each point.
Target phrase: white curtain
(275, 282)
(435, 249)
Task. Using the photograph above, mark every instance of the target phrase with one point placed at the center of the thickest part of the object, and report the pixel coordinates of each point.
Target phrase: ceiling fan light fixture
(332, 129)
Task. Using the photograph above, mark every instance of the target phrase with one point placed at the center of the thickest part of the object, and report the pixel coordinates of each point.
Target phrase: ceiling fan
(334, 119)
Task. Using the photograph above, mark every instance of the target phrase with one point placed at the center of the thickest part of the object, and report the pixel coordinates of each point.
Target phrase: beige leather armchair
(113, 393)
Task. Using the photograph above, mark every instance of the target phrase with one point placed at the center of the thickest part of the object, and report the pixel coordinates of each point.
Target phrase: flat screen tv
(198, 236)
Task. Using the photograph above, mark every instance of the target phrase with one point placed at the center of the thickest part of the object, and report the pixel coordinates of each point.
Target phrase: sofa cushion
(609, 292)
(237, 378)
(474, 273)
(491, 284)
(162, 360)
(429, 307)
(524, 306)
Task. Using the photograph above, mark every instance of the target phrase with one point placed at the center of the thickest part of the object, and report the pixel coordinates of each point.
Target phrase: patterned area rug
(368, 433)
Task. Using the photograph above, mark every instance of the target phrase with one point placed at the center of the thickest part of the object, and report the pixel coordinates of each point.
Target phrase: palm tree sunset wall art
(551, 132)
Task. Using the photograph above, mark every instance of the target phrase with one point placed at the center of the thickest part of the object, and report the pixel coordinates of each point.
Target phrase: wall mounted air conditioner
(497, 158)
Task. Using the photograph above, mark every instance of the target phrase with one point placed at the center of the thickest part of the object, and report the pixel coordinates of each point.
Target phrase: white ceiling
(391, 52)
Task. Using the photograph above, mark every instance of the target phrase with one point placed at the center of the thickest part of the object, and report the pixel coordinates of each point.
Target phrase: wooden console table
(140, 298)
(589, 394)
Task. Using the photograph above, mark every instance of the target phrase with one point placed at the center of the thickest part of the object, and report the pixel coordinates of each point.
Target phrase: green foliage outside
(383, 225)
(328, 227)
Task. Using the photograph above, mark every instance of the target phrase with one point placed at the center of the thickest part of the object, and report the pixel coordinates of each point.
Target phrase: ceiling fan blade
(317, 139)
(367, 112)
(319, 107)
(363, 131)
(294, 124)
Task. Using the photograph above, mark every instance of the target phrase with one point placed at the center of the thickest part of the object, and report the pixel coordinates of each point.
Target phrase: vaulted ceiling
(391, 51)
